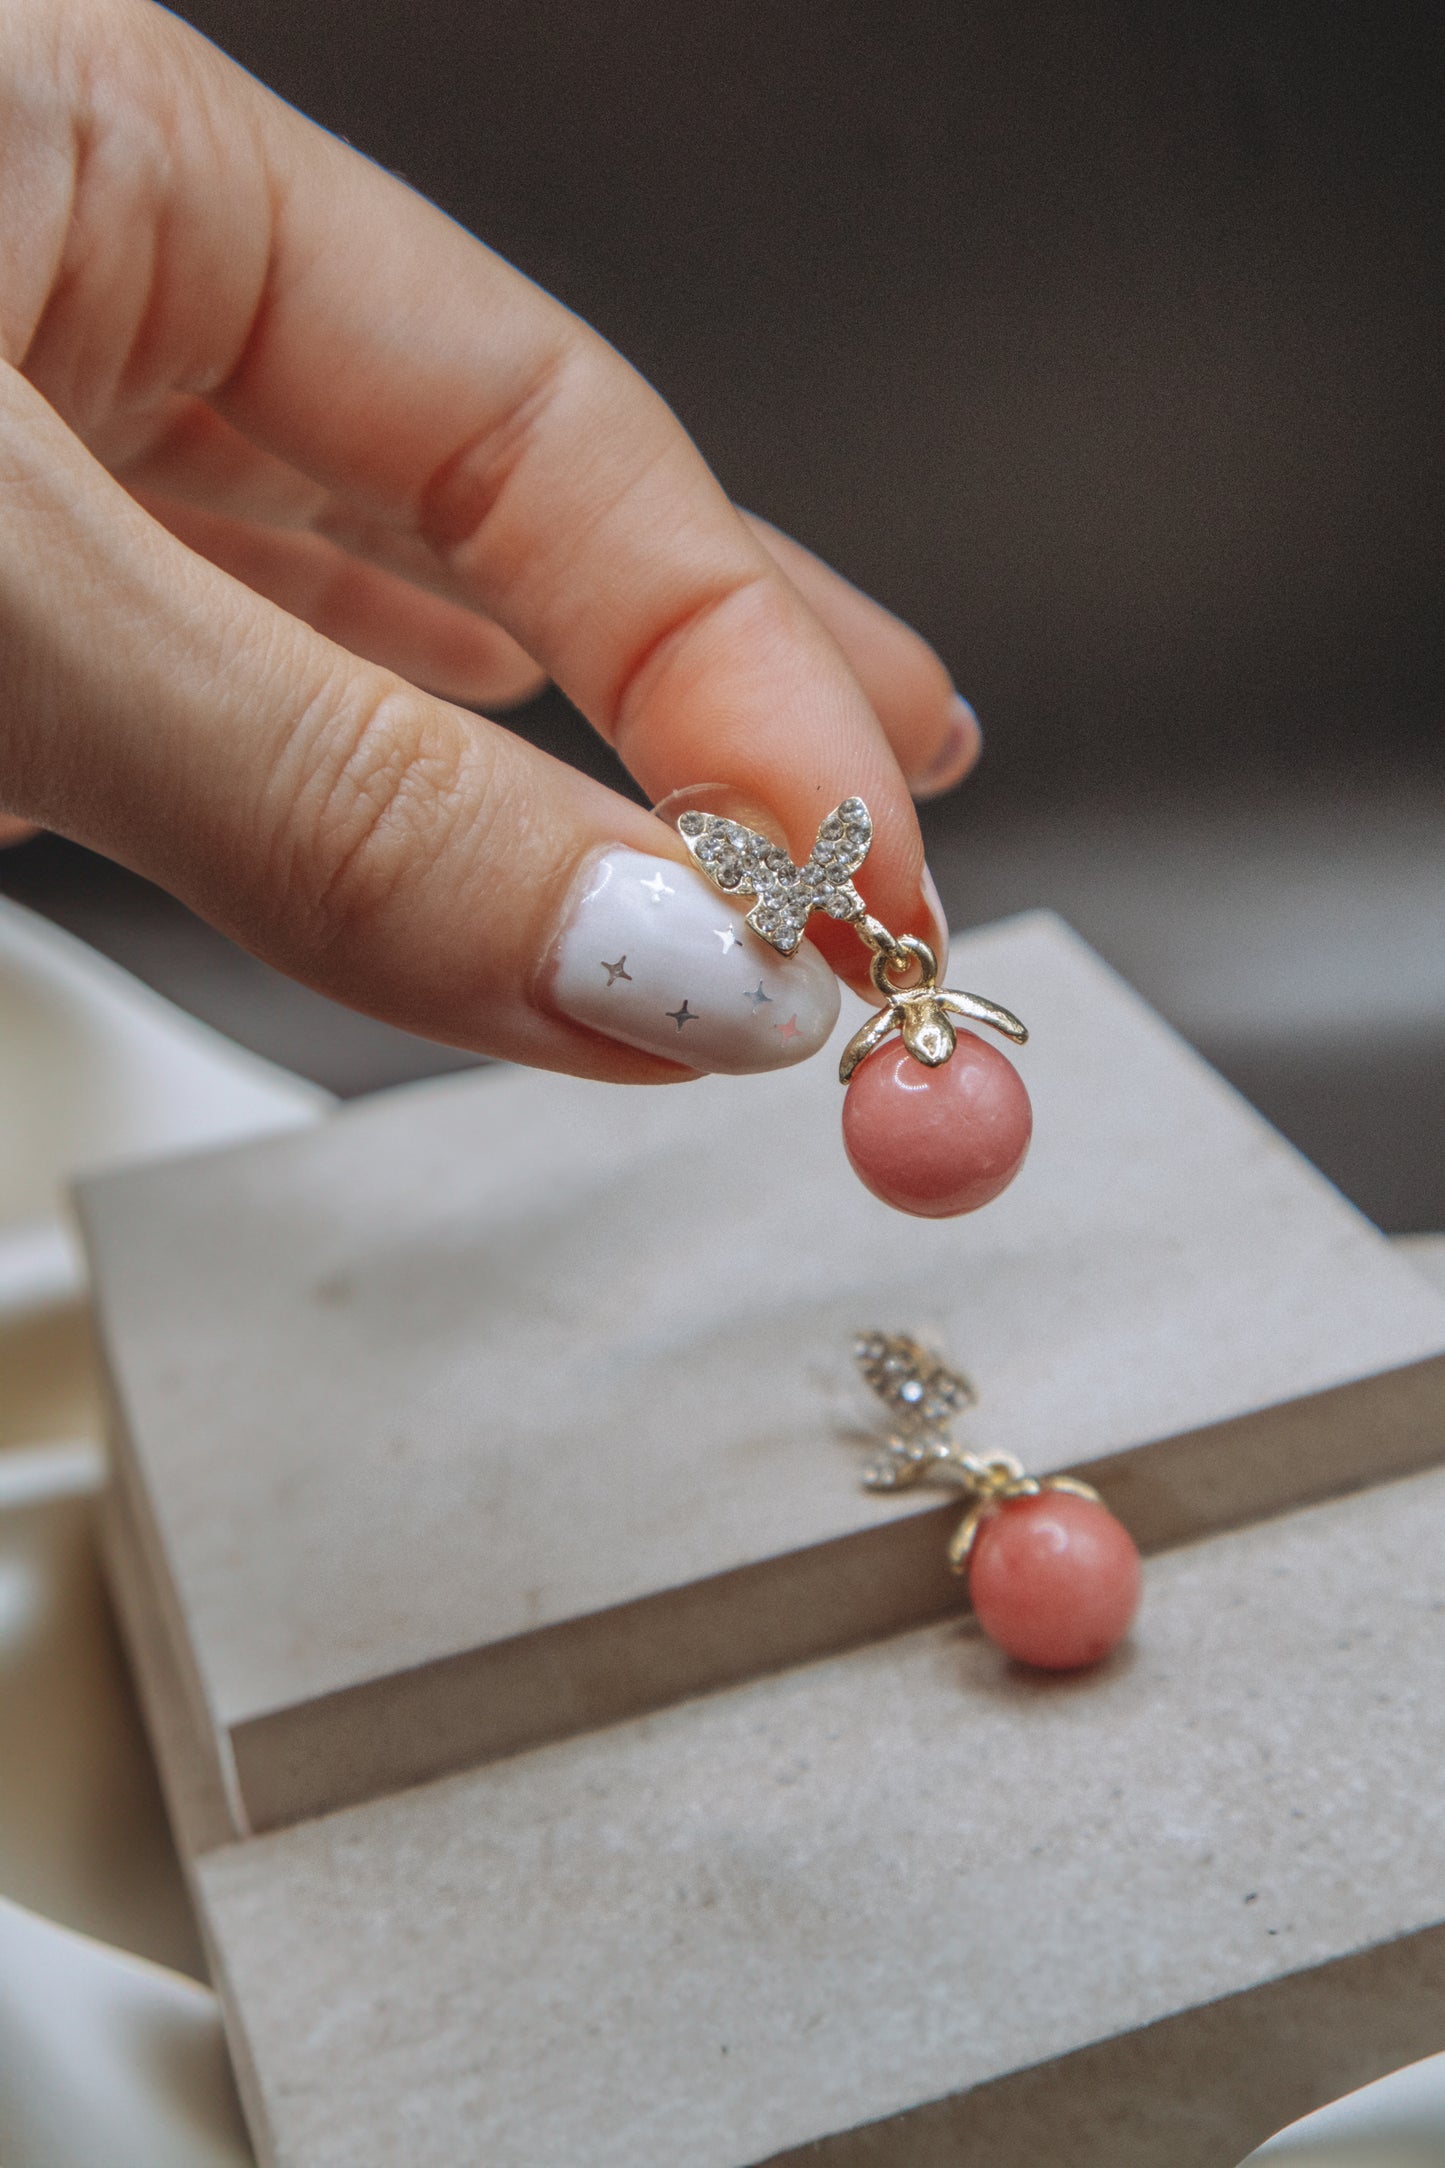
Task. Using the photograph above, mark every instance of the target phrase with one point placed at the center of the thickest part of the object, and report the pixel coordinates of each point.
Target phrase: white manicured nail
(654, 956)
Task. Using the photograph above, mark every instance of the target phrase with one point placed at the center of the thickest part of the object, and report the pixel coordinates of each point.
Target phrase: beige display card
(507, 1406)
(902, 1908)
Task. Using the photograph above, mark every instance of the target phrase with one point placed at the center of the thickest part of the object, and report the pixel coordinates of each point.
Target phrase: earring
(1053, 1577)
(937, 1125)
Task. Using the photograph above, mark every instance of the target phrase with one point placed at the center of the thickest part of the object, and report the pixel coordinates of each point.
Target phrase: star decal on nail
(682, 1016)
(757, 997)
(788, 1030)
(657, 888)
(617, 971)
(727, 937)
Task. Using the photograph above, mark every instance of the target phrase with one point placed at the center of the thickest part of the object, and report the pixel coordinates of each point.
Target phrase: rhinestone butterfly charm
(741, 862)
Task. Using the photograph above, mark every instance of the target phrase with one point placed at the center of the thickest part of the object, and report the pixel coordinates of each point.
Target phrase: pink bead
(937, 1141)
(1055, 1580)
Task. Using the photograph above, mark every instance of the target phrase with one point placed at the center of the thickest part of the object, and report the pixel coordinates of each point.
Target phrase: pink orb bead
(937, 1142)
(1055, 1580)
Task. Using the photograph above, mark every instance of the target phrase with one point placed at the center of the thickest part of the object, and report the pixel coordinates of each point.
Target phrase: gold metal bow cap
(922, 1013)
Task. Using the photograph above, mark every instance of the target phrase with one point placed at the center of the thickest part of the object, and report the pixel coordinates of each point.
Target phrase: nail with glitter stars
(654, 956)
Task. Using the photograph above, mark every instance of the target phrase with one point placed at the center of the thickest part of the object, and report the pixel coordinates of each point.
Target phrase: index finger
(348, 325)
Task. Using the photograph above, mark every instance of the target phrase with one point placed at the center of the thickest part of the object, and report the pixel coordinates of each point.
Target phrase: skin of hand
(280, 446)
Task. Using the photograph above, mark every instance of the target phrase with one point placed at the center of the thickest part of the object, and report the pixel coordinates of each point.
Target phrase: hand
(279, 445)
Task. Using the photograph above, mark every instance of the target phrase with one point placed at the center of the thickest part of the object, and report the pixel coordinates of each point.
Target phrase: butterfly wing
(843, 844)
(741, 862)
(911, 1380)
(735, 859)
(845, 837)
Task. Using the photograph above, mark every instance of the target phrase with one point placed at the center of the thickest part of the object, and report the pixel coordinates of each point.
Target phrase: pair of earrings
(938, 1125)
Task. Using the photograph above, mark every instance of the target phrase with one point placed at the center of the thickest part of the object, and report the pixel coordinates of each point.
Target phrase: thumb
(399, 853)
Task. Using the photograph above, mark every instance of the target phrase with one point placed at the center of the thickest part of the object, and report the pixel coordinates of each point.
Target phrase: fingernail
(955, 756)
(722, 799)
(654, 956)
(934, 902)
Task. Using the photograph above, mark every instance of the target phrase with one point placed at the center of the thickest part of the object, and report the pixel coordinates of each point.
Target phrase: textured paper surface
(794, 1910)
(504, 1405)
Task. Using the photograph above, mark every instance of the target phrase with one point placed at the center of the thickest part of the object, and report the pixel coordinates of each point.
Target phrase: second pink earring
(938, 1123)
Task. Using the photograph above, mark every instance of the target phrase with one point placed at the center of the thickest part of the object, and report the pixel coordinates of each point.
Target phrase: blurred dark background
(1106, 343)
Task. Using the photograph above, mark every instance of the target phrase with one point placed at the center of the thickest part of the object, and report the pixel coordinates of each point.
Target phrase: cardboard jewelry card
(507, 1406)
(901, 1908)
(567, 1770)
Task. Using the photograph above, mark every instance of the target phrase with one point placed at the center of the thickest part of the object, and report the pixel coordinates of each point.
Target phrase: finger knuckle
(373, 805)
(456, 504)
